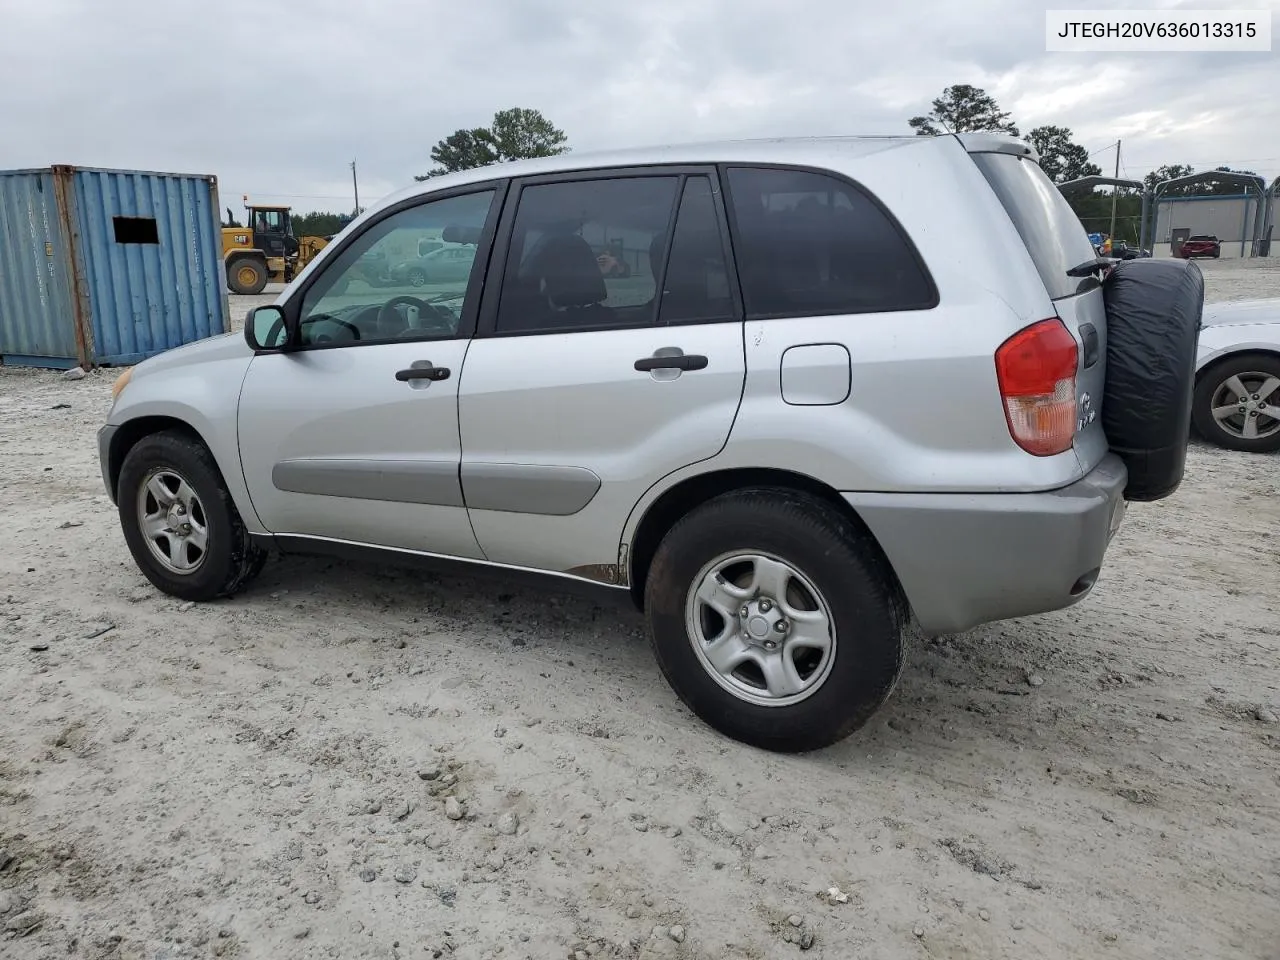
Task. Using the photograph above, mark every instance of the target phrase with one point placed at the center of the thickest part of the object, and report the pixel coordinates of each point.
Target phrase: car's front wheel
(179, 521)
(1237, 403)
(775, 619)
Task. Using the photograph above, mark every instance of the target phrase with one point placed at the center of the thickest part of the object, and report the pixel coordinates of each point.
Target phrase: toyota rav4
(802, 415)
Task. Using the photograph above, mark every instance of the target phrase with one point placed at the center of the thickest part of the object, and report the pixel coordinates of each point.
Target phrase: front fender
(204, 397)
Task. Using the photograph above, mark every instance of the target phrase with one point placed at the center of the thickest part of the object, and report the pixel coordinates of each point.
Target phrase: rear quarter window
(1049, 228)
(810, 244)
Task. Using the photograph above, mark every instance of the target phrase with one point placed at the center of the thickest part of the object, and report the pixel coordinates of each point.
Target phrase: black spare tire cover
(1153, 328)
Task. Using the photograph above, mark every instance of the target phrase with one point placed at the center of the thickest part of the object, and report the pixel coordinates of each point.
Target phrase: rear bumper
(966, 559)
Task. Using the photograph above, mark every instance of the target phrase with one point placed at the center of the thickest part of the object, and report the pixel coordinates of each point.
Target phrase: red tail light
(1036, 369)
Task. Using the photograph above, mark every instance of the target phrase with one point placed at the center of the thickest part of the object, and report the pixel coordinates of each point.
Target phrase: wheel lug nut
(765, 606)
(770, 645)
(746, 611)
(782, 626)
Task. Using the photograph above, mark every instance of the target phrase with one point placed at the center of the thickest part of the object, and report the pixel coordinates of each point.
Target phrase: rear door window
(809, 244)
(580, 254)
(1049, 228)
(696, 281)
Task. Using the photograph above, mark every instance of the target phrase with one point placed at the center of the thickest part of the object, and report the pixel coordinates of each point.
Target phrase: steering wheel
(329, 318)
(439, 319)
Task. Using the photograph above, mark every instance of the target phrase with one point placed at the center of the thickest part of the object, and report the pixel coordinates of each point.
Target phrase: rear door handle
(423, 370)
(686, 361)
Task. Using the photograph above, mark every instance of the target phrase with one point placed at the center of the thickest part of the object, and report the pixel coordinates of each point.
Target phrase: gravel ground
(361, 762)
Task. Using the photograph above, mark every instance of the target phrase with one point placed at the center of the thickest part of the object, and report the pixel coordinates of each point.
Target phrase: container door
(37, 322)
(151, 245)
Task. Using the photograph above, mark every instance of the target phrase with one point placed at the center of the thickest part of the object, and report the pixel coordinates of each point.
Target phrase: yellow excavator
(265, 249)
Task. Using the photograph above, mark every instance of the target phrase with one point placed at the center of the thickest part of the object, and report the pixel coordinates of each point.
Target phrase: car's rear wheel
(1237, 403)
(179, 521)
(417, 278)
(775, 619)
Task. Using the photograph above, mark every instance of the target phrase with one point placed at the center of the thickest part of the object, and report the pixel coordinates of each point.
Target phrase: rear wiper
(1090, 267)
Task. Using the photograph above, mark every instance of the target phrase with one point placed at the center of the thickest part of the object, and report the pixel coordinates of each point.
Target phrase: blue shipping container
(107, 267)
(36, 313)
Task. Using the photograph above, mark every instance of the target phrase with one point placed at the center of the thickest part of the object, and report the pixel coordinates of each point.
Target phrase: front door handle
(684, 361)
(423, 370)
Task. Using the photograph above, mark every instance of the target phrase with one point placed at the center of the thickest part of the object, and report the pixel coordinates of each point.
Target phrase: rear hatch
(1057, 242)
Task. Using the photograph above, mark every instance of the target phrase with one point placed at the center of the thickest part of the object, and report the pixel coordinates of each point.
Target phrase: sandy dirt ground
(362, 762)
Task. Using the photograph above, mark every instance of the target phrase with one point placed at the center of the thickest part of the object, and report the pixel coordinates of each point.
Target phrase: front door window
(380, 288)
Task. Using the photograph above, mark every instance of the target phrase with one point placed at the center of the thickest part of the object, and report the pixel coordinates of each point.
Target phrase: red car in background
(1200, 246)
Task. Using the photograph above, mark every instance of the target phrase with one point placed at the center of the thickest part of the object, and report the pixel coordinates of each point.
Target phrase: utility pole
(1115, 193)
(355, 187)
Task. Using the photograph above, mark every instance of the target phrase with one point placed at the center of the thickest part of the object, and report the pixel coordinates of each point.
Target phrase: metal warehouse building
(1229, 218)
(107, 267)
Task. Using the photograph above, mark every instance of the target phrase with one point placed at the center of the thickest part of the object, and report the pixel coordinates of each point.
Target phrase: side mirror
(267, 328)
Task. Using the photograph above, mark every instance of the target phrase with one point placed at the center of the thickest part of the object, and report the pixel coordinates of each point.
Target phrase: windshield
(1048, 226)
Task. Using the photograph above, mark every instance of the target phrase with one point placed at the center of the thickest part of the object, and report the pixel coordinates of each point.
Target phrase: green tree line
(520, 133)
(517, 133)
(317, 224)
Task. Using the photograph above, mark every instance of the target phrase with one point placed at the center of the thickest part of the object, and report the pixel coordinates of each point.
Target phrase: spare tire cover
(1153, 328)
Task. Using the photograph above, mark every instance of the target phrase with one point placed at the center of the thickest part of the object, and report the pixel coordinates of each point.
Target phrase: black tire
(246, 275)
(1252, 369)
(839, 559)
(231, 559)
(1153, 328)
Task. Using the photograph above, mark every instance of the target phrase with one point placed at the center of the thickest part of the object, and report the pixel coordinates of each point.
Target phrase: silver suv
(783, 395)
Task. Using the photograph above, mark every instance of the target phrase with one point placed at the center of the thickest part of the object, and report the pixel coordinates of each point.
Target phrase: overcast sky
(276, 98)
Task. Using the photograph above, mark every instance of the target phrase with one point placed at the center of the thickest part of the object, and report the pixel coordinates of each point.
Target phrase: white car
(1237, 398)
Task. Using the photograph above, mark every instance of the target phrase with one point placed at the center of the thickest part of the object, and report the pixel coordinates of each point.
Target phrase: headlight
(122, 381)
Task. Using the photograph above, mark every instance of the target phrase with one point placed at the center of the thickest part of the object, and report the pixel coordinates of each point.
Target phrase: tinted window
(810, 244)
(380, 289)
(1048, 226)
(270, 221)
(695, 284)
(582, 254)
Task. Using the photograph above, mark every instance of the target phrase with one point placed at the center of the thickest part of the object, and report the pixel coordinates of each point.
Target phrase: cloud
(277, 99)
